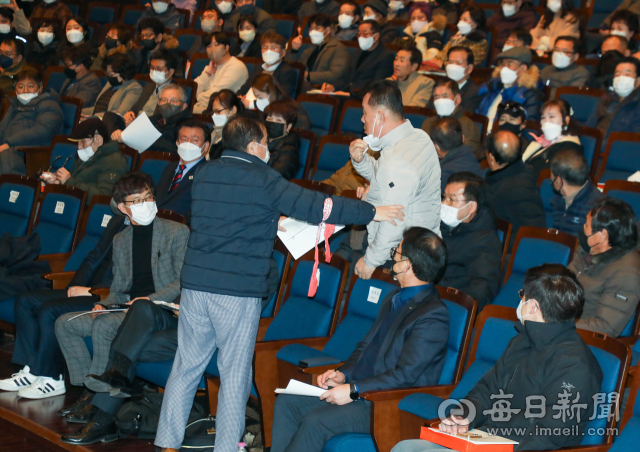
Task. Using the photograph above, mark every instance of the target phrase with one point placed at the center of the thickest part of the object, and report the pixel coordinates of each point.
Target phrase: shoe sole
(76, 420)
(106, 439)
(42, 396)
(100, 386)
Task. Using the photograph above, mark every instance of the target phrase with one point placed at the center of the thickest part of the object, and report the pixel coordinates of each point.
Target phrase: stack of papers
(300, 236)
(140, 134)
(296, 387)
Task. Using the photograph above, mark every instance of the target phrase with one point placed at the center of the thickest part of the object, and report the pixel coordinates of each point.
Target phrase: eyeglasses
(274, 47)
(566, 52)
(137, 202)
(511, 108)
(393, 253)
(171, 101)
(365, 34)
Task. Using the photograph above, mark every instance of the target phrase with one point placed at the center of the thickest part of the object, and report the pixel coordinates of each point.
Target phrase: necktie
(177, 178)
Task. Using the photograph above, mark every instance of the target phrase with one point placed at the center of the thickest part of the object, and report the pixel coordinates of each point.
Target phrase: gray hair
(180, 89)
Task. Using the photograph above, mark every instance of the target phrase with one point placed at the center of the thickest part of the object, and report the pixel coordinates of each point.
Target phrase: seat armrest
(102, 292)
(56, 261)
(60, 279)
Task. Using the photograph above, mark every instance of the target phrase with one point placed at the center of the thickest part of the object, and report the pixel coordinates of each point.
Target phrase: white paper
(486, 438)
(140, 134)
(300, 236)
(105, 220)
(296, 387)
(635, 177)
(59, 207)
(374, 294)
(104, 311)
(172, 306)
(13, 196)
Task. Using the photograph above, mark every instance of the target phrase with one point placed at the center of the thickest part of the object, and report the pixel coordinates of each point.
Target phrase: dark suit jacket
(284, 74)
(167, 141)
(253, 51)
(414, 351)
(179, 200)
(377, 66)
(470, 97)
(331, 66)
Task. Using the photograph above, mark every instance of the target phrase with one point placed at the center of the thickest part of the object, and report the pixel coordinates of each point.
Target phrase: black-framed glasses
(135, 202)
(393, 253)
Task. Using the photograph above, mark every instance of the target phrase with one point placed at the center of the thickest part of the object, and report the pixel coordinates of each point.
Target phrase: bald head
(504, 146)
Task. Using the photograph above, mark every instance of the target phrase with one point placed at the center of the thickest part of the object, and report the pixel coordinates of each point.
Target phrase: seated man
(211, 21)
(608, 266)
(474, 250)
(405, 347)
(148, 257)
(173, 108)
(99, 163)
(512, 118)
(459, 67)
(152, 38)
(13, 61)
(248, 7)
(329, 7)
(81, 82)
(415, 88)
(165, 12)
(575, 194)
(447, 100)
(349, 19)
(451, 146)
(513, 14)
(545, 364)
(564, 71)
(512, 189)
(519, 37)
(614, 48)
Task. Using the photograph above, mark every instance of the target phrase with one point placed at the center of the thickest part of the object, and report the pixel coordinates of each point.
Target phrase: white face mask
(464, 27)
(519, 311)
(624, 85)
(618, 33)
(316, 37)
(395, 5)
(74, 36)
(418, 25)
(449, 215)
(365, 43)
(551, 131)
(506, 47)
(320, 1)
(144, 213)
(247, 35)
(160, 7)
(219, 120)
(369, 17)
(45, 37)
(554, 5)
(225, 7)
(444, 107)
(26, 97)
(267, 154)
(455, 72)
(370, 139)
(345, 20)
(189, 151)
(508, 76)
(48, 2)
(86, 153)
(560, 60)
(261, 104)
(508, 10)
(207, 25)
(158, 77)
(270, 57)
(5, 28)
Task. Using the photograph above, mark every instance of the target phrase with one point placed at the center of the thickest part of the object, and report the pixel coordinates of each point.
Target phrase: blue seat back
(583, 105)
(269, 308)
(352, 121)
(320, 116)
(132, 17)
(301, 316)
(333, 156)
(628, 330)
(458, 316)
(56, 229)
(64, 150)
(98, 219)
(489, 36)
(102, 14)
(297, 87)
(589, 148)
(55, 81)
(416, 119)
(601, 10)
(534, 252)
(252, 68)
(360, 317)
(303, 155)
(623, 161)
(185, 41)
(75, 9)
(69, 117)
(508, 295)
(546, 193)
(197, 67)
(154, 168)
(630, 197)
(285, 27)
(16, 202)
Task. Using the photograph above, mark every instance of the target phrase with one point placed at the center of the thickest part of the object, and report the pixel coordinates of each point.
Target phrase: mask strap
(463, 208)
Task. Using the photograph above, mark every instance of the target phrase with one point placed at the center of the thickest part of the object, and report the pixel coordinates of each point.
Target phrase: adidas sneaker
(42, 388)
(18, 381)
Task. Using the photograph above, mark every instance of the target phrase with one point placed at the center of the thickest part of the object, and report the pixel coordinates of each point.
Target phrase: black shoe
(112, 381)
(84, 400)
(81, 416)
(92, 433)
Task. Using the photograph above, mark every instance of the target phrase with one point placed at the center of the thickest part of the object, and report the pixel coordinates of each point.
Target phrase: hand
(454, 425)
(117, 136)
(604, 32)
(357, 148)
(389, 213)
(49, 178)
(296, 43)
(96, 310)
(78, 291)
(13, 5)
(340, 395)
(129, 117)
(280, 228)
(362, 270)
(4, 147)
(341, 93)
(330, 379)
(306, 75)
(362, 192)
(211, 69)
(139, 298)
(62, 175)
(327, 88)
(246, 102)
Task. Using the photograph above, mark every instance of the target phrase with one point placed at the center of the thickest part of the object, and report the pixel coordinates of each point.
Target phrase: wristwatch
(355, 395)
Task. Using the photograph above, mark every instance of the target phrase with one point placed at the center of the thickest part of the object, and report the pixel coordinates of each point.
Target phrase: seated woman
(118, 40)
(248, 44)
(560, 19)
(76, 34)
(120, 92)
(222, 105)
(33, 118)
(425, 33)
(470, 35)
(284, 144)
(559, 132)
(43, 50)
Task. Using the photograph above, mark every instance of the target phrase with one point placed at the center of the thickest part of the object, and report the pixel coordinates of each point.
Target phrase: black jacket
(470, 97)
(512, 194)
(457, 160)
(378, 65)
(284, 74)
(229, 249)
(179, 200)
(285, 155)
(542, 160)
(414, 350)
(474, 256)
(45, 56)
(253, 51)
(167, 141)
(543, 359)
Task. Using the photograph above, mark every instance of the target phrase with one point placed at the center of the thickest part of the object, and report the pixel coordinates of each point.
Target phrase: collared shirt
(188, 166)
(272, 69)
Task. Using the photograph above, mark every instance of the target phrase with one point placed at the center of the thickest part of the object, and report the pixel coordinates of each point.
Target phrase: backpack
(200, 435)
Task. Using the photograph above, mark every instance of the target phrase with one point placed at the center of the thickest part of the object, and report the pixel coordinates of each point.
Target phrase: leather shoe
(84, 400)
(81, 416)
(92, 433)
(112, 381)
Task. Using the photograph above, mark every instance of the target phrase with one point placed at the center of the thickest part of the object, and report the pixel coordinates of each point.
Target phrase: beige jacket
(416, 90)
(545, 38)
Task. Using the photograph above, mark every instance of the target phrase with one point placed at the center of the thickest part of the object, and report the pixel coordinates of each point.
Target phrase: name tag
(374, 294)
(13, 195)
(59, 207)
(105, 221)
(190, 177)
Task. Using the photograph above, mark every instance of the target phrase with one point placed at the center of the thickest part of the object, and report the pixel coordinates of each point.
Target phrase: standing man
(225, 273)
(407, 172)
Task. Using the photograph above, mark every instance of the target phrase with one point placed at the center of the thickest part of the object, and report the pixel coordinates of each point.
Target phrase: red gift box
(461, 444)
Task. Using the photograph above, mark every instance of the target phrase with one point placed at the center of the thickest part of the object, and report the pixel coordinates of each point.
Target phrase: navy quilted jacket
(572, 220)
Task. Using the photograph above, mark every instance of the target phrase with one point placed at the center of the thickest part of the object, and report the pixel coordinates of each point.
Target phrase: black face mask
(557, 192)
(5, 62)
(583, 239)
(114, 81)
(148, 44)
(70, 73)
(168, 110)
(246, 9)
(274, 129)
(110, 43)
(513, 128)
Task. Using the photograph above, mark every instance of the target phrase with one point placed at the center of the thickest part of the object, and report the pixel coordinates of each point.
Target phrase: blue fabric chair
(332, 155)
(546, 193)
(66, 152)
(286, 26)
(626, 191)
(583, 104)
(153, 163)
(58, 219)
(102, 14)
(622, 157)
(351, 120)
(417, 115)
(70, 108)
(55, 81)
(307, 144)
(322, 111)
(253, 65)
(197, 66)
(186, 39)
(17, 201)
(132, 17)
(600, 11)
(591, 139)
(99, 217)
(281, 257)
(627, 441)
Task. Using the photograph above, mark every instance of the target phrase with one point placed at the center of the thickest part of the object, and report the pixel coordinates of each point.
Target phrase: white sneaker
(18, 381)
(42, 388)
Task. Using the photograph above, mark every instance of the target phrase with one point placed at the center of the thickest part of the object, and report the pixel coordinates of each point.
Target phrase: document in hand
(300, 236)
(104, 311)
(296, 387)
(140, 134)
(472, 441)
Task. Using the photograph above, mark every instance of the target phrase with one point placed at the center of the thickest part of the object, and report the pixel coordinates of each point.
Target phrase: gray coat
(573, 75)
(122, 101)
(332, 66)
(85, 88)
(33, 124)
(168, 248)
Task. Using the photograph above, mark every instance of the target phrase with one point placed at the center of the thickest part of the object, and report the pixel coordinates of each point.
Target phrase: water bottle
(242, 447)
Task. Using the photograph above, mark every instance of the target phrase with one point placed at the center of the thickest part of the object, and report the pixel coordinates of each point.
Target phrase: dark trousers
(36, 313)
(306, 423)
(148, 333)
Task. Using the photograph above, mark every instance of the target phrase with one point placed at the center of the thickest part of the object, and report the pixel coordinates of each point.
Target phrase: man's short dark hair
(470, 58)
(357, 11)
(170, 59)
(131, 183)
(618, 219)
(28, 74)
(628, 18)
(220, 37)
(557, 291)
(503, 156)
(375, 26)
(385, 93)
(18, 44)
(426, 252)
(447, 82)
(153, 23)
(122, 64)
(571, 166)
(628, 60)
(79, 55)
(324, 20)
(623, 41)
(194, 124)
(575, 42)
(523, 35)
(446, 132)
(7, 13)
(274, 38)
(240, 131)
(475, 188)
(416, 55)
